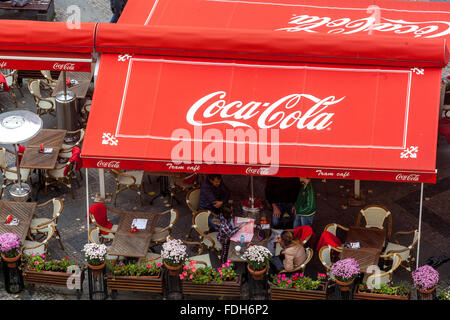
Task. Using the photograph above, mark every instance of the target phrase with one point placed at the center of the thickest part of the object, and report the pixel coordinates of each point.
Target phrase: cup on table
(238, 249)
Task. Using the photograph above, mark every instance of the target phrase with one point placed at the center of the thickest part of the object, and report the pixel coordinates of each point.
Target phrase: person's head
(227, 212)
(215, 179)
(287, 239)
(305, 180)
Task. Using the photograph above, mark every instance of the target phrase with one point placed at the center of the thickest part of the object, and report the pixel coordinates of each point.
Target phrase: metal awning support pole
(87, 203)
(252, 197)
(420, 224)
(101, 178)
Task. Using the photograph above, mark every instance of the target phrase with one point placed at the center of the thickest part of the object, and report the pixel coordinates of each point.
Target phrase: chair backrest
(193, 199)
(325, 256)
(200, 220)
(93, 235)
(309, 255)
(3, 158)
(34, 87)
(377, 279)
(415, 239)
(80, 140)
(47, 75)
(375, 216)
(331, 228)
(98, 214)
(58, 206)
(173, 217)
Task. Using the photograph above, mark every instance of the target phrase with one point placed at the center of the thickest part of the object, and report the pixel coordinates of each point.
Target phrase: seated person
(282, 194)
(293, 251)
(214, 194)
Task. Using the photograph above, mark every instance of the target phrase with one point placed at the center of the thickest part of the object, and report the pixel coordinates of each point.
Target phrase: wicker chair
(406, 252)
(63, 174)
(207, 239)
(34, 247)
(94, 237)
(37, 224)
(9, 174)
(66, 149)
(334, 227)
(301, 268)
(43, 105)
(326, 254)
(13, 84)
(48, 82)
(128, 180)
(375, 217)
(99, 209)
(161, 234)
(377, 279)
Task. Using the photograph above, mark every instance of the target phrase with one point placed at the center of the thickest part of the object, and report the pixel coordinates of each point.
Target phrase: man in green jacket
(305, 206)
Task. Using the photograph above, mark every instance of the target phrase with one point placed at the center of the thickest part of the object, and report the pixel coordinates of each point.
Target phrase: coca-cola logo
(258, 171)
(307, 23)
(410, 177)
(64, 67)
(108, 164)
(3, 64)
(282, 113)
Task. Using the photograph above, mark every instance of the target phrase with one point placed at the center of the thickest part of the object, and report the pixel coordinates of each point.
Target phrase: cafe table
(371, 242)
(23, 211)
(80, 90)
(133, 244)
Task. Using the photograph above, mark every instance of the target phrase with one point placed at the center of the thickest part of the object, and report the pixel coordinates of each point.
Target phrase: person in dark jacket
(117, 7)
(281, 193)
(214, 194)
(305, 206)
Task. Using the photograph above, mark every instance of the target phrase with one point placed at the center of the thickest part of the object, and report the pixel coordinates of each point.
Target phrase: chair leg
(140, 195)
(58, 236)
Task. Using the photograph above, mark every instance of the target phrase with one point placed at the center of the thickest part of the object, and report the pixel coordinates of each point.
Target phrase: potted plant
(298, 287)
(43, 270)
(174, 255)
(257, 258)
(208, 281)
(425, 279)
(445, 294)
(345, 272)
(95, 257)
(10, 248)
(384, 292)
(144, 276)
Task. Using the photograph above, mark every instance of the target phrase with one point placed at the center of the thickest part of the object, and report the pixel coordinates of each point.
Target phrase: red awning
(411, 19)
(316, 120)
(57, 61)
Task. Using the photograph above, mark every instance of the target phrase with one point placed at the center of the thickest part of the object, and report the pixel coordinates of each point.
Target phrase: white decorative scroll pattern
(110, 139)
(124, 57)
(418, 71)
(410, 152)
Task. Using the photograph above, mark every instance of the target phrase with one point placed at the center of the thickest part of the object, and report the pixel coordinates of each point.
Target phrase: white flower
(94, 251)
(257, 254)
(174, 251)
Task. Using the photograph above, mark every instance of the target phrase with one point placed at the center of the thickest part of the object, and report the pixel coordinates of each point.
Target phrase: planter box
(358, 295)
(277, 293)
(228, 289)
(52, 278)
(152, 284)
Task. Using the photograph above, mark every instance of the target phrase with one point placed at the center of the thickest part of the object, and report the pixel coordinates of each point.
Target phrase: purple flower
(345, 269)
(425, 277)
(9, 242)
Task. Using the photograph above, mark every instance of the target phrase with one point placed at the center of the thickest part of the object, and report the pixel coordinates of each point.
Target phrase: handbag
(19, 3)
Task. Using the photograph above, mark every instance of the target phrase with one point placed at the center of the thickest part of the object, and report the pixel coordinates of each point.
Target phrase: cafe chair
(200, 261)
(43, 105)
(161, 234)
(35, 247)
(207, 239)
(64, 173)
(13, 84)
(48, 82)
(406, 252)
(334, 227)
(98, 214)
(66, 149)
(327, 256)
(192, 201)
(37, 224)
(85, 110)
(9, 174)
(375, 217)
(130, 179)
(94, 237)
(301, 268)
(375, 280)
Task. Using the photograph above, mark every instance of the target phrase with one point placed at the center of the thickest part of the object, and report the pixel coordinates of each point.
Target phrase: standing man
(214, 194)
(281, 194)
(305, 206)
(117, 8)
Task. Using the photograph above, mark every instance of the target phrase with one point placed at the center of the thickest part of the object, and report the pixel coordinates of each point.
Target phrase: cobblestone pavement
(332, 206)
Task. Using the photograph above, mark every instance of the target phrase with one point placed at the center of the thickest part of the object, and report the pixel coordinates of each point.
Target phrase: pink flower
(289, 281)
(185, 267)
(181, 277)
(279, 281)
(191, 276)
(148, 266)
(193, 269)
(279, 276)
(184, 273)
(36, 262)
(158, 264)
(301, 275)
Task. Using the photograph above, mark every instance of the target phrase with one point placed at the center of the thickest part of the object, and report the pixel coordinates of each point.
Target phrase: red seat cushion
(98, 210)
(327, 238)
(303, 232)
(3, 81)
(75, 158)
